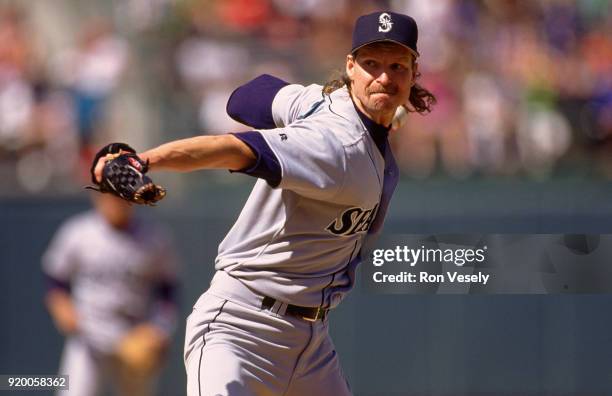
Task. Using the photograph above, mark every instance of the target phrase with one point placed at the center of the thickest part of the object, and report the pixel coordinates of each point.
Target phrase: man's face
(382, 75)
(116, 211)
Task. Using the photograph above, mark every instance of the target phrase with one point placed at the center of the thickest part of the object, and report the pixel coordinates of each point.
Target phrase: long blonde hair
(421, 99)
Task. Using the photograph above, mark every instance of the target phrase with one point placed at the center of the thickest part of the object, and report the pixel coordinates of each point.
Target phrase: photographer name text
(426, 277)
(424, 255)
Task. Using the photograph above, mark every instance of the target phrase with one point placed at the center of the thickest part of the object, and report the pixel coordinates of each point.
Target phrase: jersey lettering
(352, 221)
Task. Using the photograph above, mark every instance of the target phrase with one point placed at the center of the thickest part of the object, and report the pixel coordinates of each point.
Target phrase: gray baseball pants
(233, 347)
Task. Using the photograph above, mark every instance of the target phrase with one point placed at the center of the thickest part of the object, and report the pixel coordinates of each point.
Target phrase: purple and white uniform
(325, 178)
(116, 279)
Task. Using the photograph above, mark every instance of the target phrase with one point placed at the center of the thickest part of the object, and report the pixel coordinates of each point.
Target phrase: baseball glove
(123, 175)
(141, 352)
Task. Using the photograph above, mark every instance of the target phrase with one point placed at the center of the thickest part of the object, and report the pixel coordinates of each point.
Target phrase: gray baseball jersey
(112, 274)
(326, 175)
(300, 242)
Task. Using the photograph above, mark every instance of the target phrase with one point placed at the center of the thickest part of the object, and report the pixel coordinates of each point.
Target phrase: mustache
(389, 90)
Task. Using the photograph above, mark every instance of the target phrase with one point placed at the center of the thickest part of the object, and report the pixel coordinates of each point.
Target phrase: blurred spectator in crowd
(208, 70)
(92, 71)
(112, 280)
(16, 91)
(35, 118)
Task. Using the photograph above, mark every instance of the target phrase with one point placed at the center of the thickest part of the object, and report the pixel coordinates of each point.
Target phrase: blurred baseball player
(326, 175)
(112, 279)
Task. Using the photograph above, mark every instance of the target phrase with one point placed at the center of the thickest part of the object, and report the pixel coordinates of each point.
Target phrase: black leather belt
(306, 313)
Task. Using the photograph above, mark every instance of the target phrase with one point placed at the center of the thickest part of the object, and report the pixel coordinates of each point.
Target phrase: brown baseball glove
(141, 352)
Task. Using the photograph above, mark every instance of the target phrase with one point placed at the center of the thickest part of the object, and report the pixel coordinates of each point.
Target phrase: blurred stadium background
(521, 142)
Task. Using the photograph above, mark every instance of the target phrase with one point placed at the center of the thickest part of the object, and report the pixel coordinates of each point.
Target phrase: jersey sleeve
(266, 165)
(268, 102)
(295, 101)
(312, 162)
(251, 103)
(59, 260)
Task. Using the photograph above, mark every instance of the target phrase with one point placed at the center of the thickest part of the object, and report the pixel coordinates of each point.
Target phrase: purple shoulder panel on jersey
(251, 103)
(54, 283)
(267, 166)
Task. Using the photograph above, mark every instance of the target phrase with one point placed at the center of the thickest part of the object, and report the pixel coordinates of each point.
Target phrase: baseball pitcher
(326, 174)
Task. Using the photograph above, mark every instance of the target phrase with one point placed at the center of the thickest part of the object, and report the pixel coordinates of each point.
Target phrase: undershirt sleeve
(266, 165)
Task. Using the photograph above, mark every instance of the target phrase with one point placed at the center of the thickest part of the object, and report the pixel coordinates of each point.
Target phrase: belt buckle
(316, 317)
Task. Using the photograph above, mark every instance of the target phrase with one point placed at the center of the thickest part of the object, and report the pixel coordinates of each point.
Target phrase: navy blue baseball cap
(386, 26)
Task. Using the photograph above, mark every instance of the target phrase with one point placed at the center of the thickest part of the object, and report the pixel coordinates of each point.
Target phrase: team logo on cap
(384, 22)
